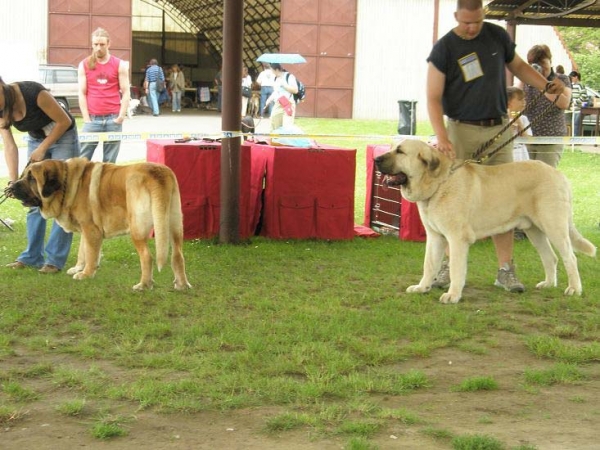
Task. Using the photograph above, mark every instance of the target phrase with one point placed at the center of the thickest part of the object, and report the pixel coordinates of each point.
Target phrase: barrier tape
(137, 137)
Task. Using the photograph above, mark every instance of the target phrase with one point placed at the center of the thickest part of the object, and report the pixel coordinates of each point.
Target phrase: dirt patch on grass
(561, 416)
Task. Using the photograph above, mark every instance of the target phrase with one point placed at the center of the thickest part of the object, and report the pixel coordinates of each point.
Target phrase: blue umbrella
(281, 58)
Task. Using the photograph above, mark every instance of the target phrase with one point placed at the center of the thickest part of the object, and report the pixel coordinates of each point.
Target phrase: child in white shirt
(516, 104)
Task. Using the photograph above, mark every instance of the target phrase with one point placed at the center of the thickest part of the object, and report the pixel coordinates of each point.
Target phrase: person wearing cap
(578, 97)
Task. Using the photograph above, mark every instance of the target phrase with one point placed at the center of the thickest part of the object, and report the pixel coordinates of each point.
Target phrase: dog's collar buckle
(464, 163)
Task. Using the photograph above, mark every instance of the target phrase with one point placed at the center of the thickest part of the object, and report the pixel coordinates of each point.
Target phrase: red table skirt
(287, 192)
(384, 206)
(197, 167)
(309, 192)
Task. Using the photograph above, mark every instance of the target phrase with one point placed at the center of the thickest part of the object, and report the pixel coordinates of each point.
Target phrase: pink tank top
(103, 93)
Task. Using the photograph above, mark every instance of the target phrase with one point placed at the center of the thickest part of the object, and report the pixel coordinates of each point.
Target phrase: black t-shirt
(475, 73)
(35, 118)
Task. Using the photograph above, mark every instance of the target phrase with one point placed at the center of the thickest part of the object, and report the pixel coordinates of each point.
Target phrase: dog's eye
(399, 150)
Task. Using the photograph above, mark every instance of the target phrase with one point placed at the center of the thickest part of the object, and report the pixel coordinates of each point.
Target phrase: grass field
(302, 344)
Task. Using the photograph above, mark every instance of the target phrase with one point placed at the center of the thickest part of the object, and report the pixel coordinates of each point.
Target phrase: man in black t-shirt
(466, 82)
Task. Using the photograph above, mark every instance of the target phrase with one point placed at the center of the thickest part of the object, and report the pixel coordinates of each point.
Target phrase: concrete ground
(187, 122)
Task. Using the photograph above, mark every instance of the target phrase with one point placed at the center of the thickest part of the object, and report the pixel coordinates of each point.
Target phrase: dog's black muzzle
(20, 191)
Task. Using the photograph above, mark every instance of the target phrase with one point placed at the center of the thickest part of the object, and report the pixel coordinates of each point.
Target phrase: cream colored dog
(461, 204)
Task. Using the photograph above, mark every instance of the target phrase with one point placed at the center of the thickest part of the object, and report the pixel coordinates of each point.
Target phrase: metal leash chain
(8, 189)
(477, 158)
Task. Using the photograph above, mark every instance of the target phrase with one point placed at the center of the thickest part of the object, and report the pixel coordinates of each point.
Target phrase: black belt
(103, 116)
(482, 123)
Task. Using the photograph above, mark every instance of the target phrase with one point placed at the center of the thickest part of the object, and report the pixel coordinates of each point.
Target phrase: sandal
(16, 265)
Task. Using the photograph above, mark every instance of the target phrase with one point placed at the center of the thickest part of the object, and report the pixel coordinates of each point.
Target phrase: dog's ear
(52, 182)
(429, 160)
(434, 163)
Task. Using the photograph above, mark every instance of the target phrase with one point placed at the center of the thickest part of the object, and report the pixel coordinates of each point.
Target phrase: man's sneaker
(442, 279)
(507, 279)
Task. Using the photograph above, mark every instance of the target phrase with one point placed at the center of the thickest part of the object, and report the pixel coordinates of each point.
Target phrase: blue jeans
(176, 105)
(265, 92)
(153, 97)
(102, 124)
(578, 120)
(59, 243)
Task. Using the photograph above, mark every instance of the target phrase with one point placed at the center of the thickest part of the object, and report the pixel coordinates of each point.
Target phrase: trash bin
(408, 117)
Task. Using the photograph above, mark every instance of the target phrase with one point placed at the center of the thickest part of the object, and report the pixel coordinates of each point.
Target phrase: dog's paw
(75, 269)
(449, 298)
(417, 288)
(570, 291)
(181, 286)
(545, 284)
(143, 287)
(81, 276)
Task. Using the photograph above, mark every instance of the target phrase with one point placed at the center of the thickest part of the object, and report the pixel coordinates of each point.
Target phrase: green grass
(109, 426)
(72, 407)
(559, 373)
(476, 442)
(477, 384)
(319, 332)
(18, 393)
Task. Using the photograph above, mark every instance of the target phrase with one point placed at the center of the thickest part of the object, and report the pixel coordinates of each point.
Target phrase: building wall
(393, 41)
(23, 39)
(530, 35)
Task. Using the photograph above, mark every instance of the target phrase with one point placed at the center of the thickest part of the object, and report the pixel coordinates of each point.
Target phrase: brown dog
(103, 200)
(254, 105)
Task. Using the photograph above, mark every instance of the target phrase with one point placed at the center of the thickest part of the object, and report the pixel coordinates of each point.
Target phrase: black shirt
(35, 118)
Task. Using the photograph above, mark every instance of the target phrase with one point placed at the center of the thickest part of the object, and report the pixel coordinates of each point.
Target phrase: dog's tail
(581, 244)
(162, 199)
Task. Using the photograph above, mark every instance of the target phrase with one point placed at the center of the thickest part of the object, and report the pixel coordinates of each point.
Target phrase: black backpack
(301, 94)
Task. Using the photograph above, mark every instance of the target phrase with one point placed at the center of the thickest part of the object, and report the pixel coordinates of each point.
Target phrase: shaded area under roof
(205, 18)
(569, 13)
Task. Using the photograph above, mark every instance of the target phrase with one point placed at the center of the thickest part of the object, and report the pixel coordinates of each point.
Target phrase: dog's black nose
(379, 159)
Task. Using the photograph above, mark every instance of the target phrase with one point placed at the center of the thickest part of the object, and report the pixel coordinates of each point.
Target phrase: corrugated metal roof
(205, 17)
(570, 13)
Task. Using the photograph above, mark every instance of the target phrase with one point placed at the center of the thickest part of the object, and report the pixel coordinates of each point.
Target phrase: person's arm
(292, 87)
(146, 82)
(436, 81)
(11, 154)
(532, 77)
(125, 88)
(50, 106)
(82, 81)
(271, 98)
(564, 98)
(556, 88)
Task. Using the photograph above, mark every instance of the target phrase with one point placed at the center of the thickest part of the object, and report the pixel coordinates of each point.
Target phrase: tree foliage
(583, 45)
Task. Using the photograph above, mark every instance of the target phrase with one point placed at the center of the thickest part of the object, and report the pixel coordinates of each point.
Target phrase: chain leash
(479, 156)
